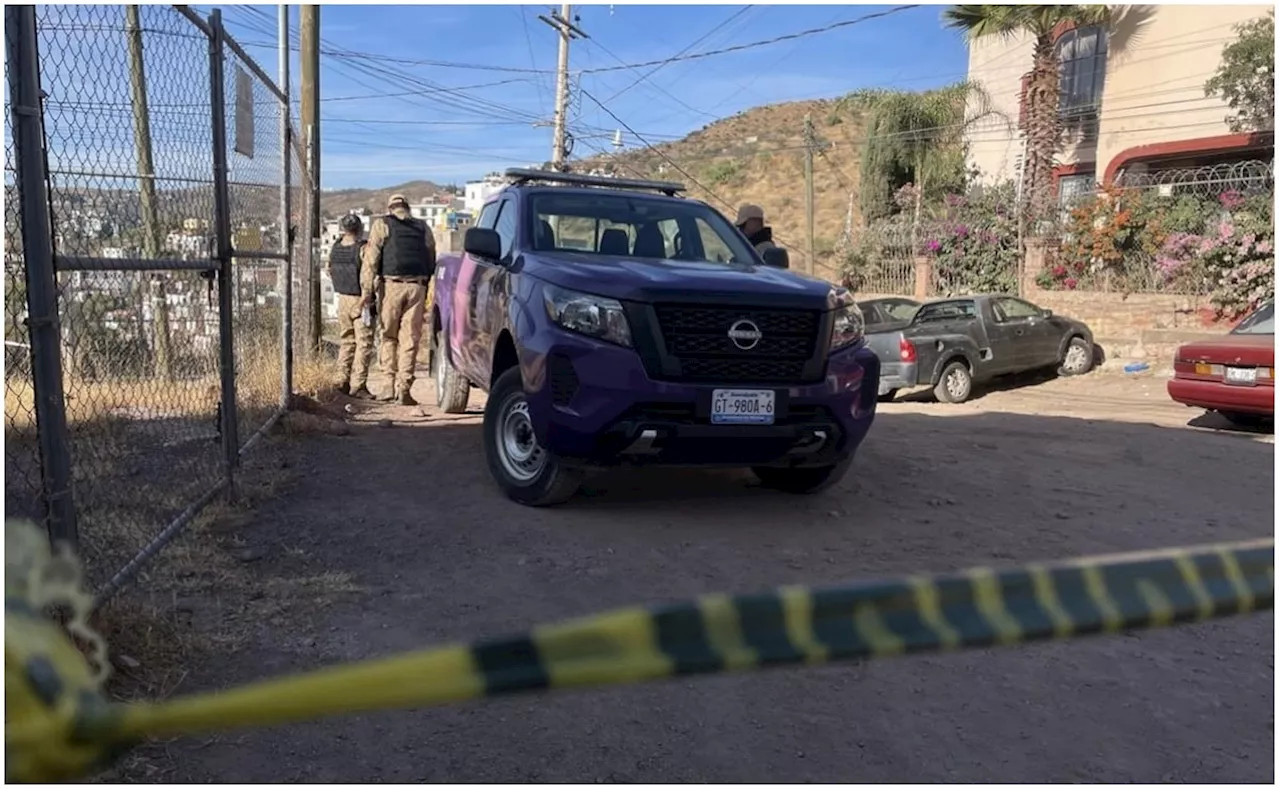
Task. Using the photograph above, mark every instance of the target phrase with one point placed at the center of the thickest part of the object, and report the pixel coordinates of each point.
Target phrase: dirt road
(1064, 468)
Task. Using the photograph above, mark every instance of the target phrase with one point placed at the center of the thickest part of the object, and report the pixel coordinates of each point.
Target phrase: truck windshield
(635, 226)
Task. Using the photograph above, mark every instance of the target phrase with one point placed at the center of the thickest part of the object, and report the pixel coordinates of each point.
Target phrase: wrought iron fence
(148, 192)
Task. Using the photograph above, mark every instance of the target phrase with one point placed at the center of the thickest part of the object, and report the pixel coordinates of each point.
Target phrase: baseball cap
(748, 212)
(396, 199)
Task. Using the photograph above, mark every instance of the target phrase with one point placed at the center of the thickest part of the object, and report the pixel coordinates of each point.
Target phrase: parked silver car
(885, 319)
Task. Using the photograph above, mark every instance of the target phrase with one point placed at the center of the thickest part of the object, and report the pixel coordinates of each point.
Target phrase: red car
(1235, 375)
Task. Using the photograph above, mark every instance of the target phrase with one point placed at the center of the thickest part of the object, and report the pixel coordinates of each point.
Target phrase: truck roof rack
(524, 176)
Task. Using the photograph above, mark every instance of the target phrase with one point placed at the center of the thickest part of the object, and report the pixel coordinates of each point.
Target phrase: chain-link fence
(1165, 230)
(157, 166)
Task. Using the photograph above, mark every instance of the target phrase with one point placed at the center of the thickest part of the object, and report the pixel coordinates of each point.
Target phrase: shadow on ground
(410, 514)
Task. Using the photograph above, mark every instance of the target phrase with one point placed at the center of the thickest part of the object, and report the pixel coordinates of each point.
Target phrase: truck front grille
(698, 338)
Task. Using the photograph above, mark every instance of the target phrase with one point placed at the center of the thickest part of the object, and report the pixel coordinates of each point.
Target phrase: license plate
(1242, 375)
(742, 407)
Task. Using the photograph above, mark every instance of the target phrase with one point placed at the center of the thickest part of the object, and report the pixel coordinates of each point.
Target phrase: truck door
(1006, 337)
(1036, 340)
(464, 327)
(491, 286)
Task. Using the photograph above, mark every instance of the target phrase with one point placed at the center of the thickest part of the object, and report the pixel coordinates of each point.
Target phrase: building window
(1082, 58)
(1074, 188)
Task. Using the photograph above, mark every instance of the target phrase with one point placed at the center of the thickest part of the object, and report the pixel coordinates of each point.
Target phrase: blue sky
(374, 141)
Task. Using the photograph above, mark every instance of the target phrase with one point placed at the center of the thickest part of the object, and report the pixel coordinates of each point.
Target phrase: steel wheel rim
(956, 385)
(518, 449)
(1075, 359)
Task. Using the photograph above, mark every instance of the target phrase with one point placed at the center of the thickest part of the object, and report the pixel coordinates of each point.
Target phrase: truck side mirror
(482, 242)
(776, 257)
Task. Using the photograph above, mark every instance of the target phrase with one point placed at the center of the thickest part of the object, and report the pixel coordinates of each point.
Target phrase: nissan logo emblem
(745, 334)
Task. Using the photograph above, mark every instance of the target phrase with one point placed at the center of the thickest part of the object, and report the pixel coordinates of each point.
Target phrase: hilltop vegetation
(334, 202)
(757, 156)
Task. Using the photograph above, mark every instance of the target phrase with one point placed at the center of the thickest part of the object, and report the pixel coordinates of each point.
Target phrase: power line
(766, 42)
(677, 55)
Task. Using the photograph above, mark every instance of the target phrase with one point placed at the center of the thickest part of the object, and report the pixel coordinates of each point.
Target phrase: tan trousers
(402, 310)
(355, 342)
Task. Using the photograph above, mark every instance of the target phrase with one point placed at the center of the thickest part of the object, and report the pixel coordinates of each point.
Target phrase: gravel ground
(1056, 469)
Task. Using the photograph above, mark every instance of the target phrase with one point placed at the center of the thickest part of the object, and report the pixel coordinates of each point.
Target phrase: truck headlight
(849, 325)
(594, 316)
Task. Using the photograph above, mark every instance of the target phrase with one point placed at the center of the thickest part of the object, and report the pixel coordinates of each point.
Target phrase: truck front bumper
(593, 404)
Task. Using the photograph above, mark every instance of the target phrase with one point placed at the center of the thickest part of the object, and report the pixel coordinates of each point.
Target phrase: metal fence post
(42, 286)
(286, 240)
(222, 243)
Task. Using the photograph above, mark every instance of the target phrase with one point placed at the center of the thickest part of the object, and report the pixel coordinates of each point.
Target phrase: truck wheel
(452, 390)
(802, 480)
(955, 384)
(526, 473)
(1078, 358)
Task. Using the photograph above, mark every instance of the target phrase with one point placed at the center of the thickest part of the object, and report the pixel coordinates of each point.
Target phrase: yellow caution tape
(58, 728)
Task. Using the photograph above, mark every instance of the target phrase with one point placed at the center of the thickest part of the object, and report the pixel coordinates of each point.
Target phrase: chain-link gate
(148, 272)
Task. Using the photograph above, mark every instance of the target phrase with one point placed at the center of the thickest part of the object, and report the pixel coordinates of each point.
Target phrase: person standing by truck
(402, 252)
(751, 223)
(353, 282)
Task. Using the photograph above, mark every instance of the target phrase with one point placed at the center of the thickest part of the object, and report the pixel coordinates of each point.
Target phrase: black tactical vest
(405, 252)
(344, 268)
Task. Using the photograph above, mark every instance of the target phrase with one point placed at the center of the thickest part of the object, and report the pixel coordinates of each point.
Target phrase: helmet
(351, 224)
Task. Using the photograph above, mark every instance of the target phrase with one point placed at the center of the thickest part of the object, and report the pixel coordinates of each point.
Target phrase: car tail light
(906, 351)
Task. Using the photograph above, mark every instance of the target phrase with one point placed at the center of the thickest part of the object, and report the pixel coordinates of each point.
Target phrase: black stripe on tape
(960, 609)
(833, 612)
(510, 664)
(682, 636)
(896, 604)
(1022, 604)
(1125, 581)
(1258, 567)
(763, 622)
(1077, 604)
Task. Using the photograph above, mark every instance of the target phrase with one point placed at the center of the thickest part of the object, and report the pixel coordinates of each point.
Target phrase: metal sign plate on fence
(244, 113)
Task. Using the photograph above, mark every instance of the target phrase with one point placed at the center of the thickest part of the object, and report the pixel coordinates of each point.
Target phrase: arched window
(1082, 58)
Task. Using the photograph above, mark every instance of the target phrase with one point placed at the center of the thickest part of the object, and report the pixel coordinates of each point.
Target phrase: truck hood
(650, 280)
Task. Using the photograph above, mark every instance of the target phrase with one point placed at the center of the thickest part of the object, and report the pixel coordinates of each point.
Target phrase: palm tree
(1043, 123)
(915, 137)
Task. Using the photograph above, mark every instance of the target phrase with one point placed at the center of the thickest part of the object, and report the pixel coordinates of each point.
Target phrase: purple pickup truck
(615, 322)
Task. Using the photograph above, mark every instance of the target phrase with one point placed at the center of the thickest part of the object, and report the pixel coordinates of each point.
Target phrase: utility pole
(147, 192)
(563, 25)
(284, 280)
(808, 192)
(310, 32)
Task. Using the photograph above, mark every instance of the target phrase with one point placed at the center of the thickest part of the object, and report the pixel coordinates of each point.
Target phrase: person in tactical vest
(402, 252)
(353, 282)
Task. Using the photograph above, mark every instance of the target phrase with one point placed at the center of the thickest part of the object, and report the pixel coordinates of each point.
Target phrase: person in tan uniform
(402, 252)
(353, 282)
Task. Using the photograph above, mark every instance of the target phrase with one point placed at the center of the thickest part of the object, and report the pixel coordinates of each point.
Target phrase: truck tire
(802, 480)
(452, 390)
(526, 473)
(1077, 358)
(955, 385)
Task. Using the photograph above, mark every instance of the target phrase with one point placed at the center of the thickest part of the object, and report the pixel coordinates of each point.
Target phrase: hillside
(757, 156)
(334, 202)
